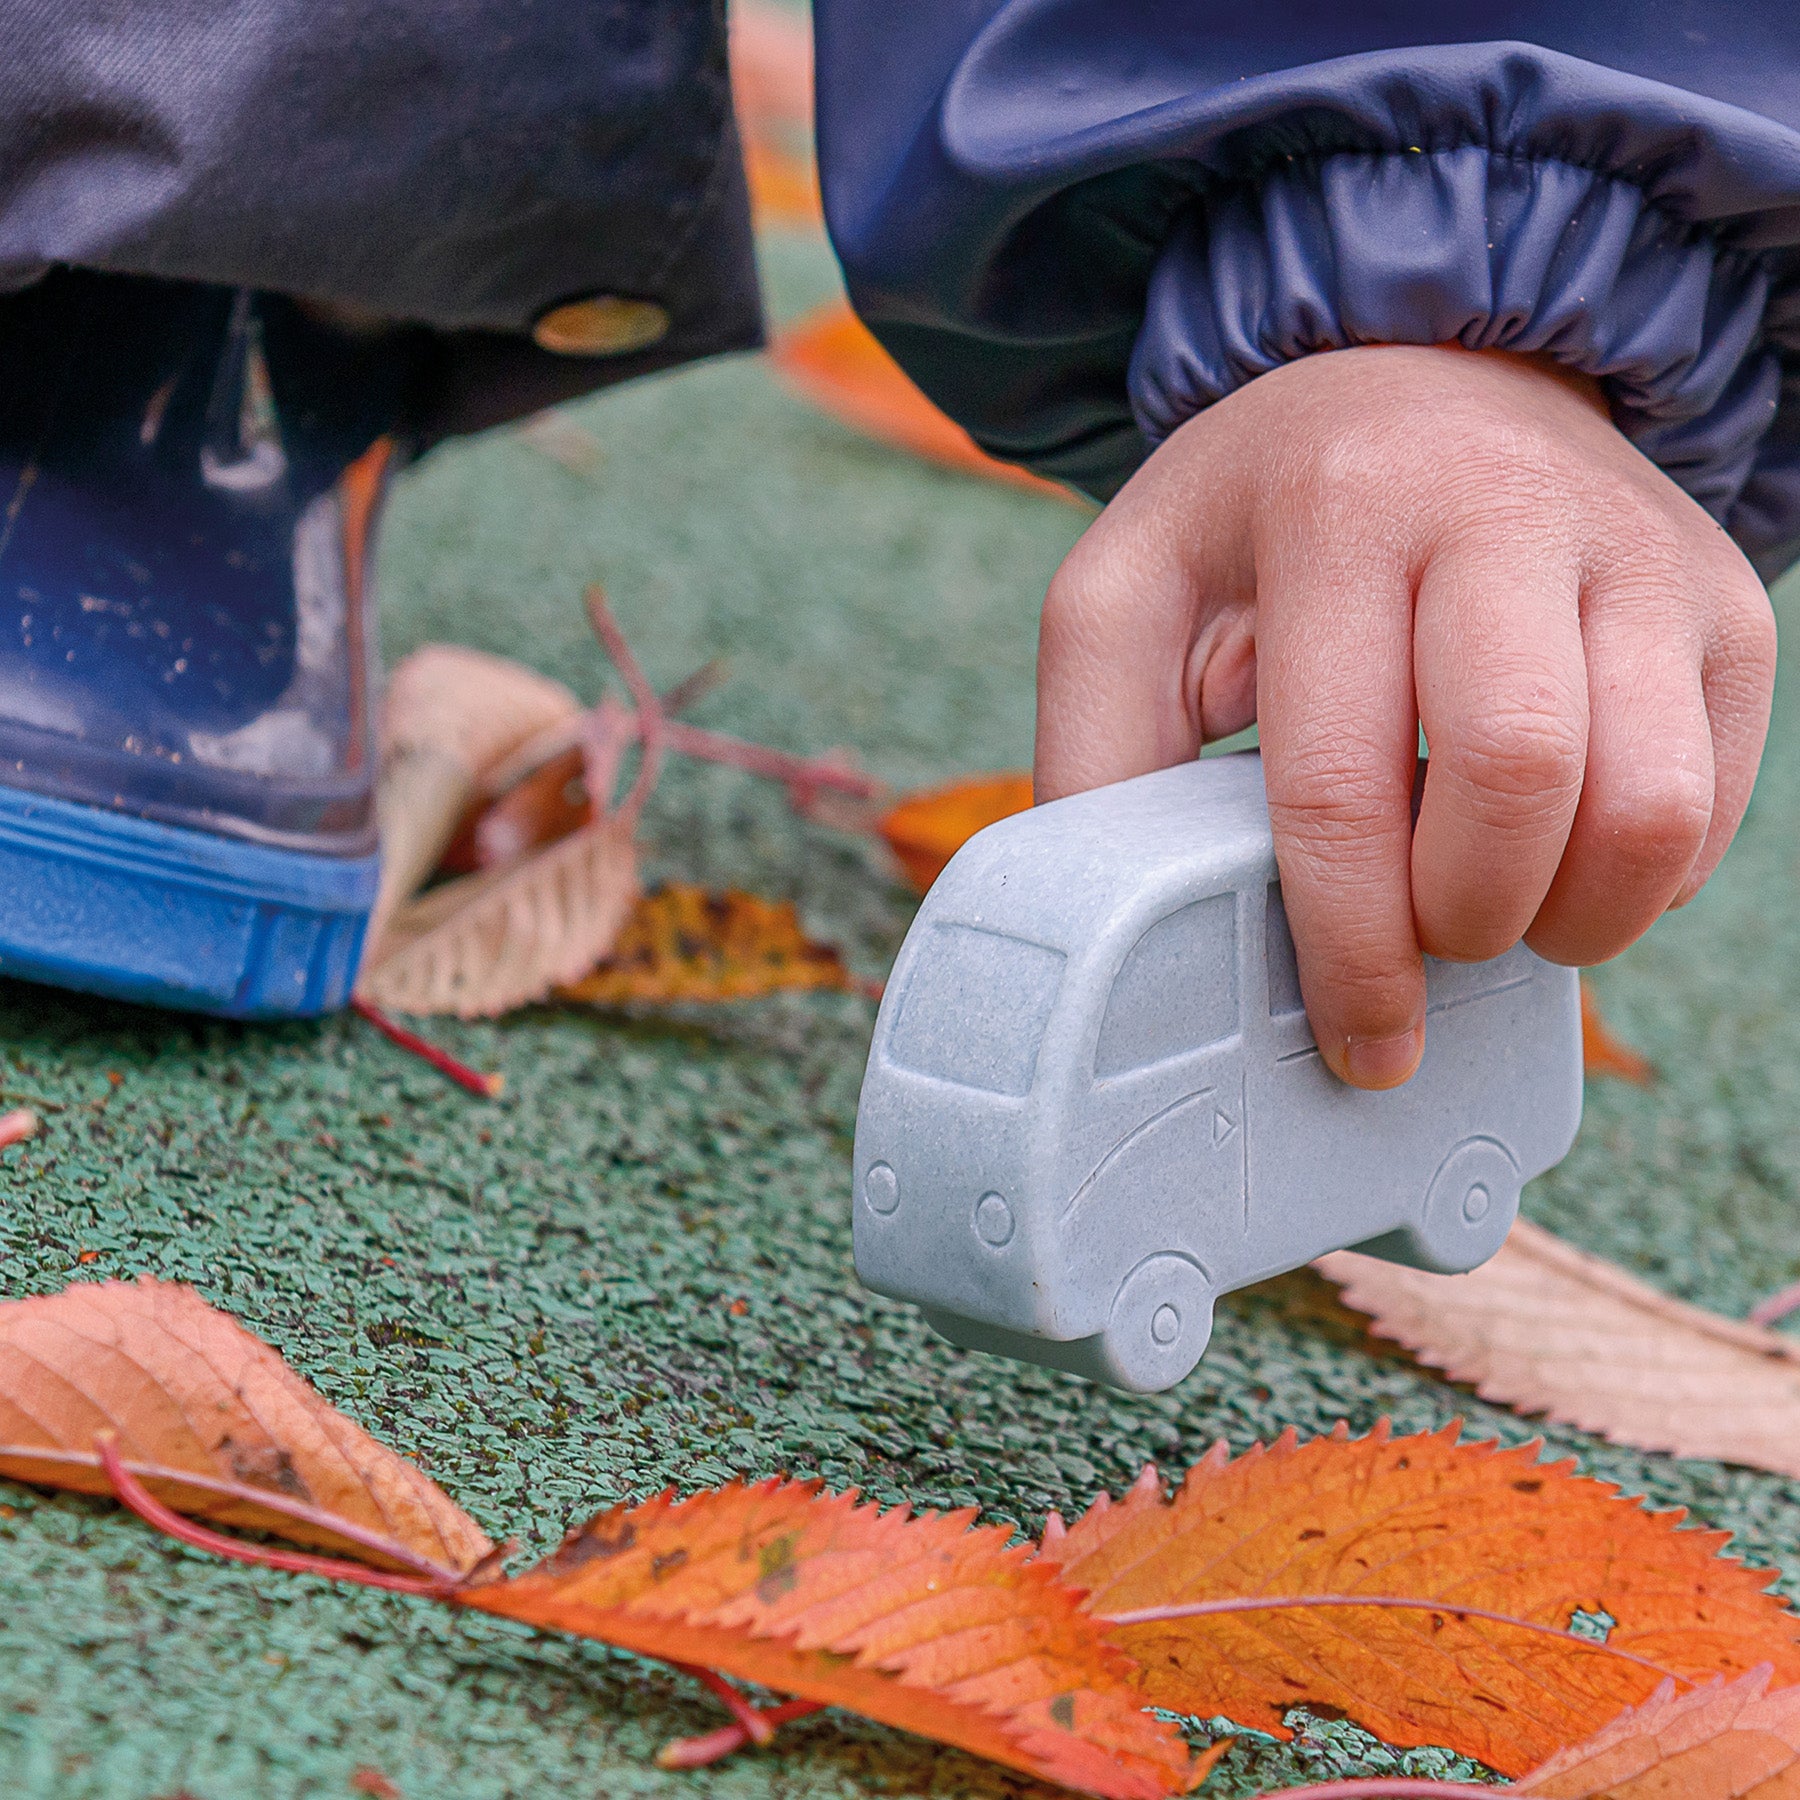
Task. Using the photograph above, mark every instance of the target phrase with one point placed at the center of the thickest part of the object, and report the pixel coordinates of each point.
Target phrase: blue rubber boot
(189, 479)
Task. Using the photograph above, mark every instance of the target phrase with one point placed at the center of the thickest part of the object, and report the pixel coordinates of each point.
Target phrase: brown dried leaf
(683, 943)
(1421, 1518)
(1549, 1329)
(448, 714)
(187, 1389)
(1720, 1742)
(487, 943)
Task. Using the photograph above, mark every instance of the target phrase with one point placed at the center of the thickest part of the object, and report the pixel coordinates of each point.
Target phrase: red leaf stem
(754, 1725)
(288, 1508)
(777, 765)
(133, 1494)
(490, 1087)
(1201, 1609)
(565, 734)
(714, 1746)
(830, 770)
(17, 1126)
(651, 725)
(1765, 1312)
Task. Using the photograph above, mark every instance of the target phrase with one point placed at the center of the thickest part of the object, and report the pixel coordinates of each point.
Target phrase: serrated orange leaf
(929, 1623)
(1724, 1741)
(832, 359)
(683, 943)
(1604, 1054)
(188, 1392)
(1552, 1330)
(925, 830)
(1422, 1518)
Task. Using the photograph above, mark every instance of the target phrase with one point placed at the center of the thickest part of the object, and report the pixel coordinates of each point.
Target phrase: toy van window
(1176, 992)
(1284, 966)
(974, 1009)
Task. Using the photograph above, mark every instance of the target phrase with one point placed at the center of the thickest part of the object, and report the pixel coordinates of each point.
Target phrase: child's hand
(1366, 539)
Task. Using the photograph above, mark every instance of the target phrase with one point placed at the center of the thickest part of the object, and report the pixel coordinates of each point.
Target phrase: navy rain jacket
(1077, 222)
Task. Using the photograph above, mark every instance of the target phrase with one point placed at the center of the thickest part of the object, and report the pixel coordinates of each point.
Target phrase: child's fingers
(1502, 691)
(1339, 742)
(1647, 802)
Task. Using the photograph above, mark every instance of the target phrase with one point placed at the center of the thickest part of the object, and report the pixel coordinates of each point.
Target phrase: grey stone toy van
(1093, 1102)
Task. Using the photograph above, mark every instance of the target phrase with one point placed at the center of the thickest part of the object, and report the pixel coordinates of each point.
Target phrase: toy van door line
(1093, 1103)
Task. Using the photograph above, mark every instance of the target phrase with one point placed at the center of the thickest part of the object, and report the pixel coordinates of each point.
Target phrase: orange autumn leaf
(925, 830)
(683, 943)
(784, 185)
(204, 1411)
(1719, 1742)
(1604, 1054)
(1043, 1662)
(834, 360)
(1422, 1518)
(771, 89)
(930, 1623)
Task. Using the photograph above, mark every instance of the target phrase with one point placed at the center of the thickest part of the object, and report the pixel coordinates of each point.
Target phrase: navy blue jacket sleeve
(1077, 222)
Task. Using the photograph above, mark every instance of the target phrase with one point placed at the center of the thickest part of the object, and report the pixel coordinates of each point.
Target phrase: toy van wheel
(1469, 1208)
(1159, 1325)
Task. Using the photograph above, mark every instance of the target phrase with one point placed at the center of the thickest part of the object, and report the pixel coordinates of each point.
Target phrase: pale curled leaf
(929, 1623)
(1724, 1741)
(476, 706)
(487, 943)
(1549, 1329)
(184, 1387)
(1417, 1518)
(447, 715)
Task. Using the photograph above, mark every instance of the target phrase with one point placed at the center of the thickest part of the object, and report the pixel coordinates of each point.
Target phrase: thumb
(1147, 645)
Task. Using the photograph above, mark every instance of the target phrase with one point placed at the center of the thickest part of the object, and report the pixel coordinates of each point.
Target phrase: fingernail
(1384, 1062)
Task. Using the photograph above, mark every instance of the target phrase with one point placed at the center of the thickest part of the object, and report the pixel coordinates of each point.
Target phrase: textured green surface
(534, 1298)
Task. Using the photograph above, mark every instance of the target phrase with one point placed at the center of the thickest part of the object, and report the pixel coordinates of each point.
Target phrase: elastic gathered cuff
(1494, 251)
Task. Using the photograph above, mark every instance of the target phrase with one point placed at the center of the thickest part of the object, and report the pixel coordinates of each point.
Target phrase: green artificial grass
(535, 1297)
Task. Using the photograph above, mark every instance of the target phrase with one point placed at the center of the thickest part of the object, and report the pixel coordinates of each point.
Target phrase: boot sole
(137, 910)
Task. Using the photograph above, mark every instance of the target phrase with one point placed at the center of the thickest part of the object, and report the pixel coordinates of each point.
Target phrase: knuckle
(1375, 997)
(1322, 804)
(1517, 762)
(1658, 822)
(1072, 593)
(1747, 635)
